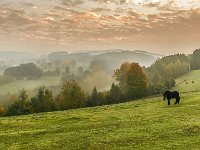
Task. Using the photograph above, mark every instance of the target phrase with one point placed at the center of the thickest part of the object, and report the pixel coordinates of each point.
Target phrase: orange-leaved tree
(132, 80)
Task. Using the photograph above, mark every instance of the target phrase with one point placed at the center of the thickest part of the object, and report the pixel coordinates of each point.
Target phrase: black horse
(169, 95)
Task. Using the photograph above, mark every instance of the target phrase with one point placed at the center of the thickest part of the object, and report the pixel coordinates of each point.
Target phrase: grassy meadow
(145, 124)
(188, 82)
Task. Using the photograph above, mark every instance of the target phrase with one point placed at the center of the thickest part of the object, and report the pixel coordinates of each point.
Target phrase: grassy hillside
(146, 124)
(184, 83)
(15, 86)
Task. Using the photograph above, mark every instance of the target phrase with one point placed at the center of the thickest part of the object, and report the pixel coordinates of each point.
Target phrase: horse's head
(165, 94)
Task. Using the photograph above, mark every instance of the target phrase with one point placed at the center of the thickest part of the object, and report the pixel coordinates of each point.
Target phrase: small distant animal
(169, 95)
(192, 81)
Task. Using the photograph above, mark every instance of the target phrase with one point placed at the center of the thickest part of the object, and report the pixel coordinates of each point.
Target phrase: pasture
(145, 124)
(188, 82)
(16, 86)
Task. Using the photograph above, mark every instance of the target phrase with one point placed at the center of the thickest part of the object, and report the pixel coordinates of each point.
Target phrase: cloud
(27, 4)
(72, 3)
(100, 10)
(95, 24)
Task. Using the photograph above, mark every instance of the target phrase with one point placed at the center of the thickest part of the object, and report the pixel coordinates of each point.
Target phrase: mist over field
(90, 68)
(27, 71)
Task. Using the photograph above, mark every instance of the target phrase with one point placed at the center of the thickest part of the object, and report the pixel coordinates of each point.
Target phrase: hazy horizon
(81, 51)
(156, 26)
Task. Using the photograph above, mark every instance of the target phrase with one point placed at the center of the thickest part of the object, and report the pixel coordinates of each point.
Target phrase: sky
(43, 26)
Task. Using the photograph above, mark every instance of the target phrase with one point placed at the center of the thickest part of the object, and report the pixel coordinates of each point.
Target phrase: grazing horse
(169, 95)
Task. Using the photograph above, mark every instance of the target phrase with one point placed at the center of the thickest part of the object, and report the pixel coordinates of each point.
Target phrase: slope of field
(188, 82)
(15, 86)
(145, 124)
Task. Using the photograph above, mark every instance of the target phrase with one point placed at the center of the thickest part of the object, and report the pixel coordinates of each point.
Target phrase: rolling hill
(188, 82)
(12, 58)
(145, 124)
(113, 58)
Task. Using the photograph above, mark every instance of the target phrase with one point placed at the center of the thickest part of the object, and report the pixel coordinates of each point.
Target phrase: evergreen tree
(115, 95)
(97, 98)
(93, 99)
(21, 106)
(44, 101)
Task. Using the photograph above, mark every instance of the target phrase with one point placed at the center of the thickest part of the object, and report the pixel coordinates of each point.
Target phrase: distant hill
(16, 58)
(113, 57)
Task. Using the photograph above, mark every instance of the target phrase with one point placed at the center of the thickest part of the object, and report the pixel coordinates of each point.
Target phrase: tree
(80, 71)
(195, 60)
(115, 95)
(29, 70)
(164, 71)
(2, 111)
(57, 71)
(44, 101)
(93, 99)
(120, 75)
(67, 70)
(71, 96)
(169, 83)
(20, 106)
(156, 88)
(132, 80)
(97, 98)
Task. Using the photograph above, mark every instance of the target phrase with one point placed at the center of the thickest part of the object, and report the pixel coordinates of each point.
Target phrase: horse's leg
(168, 102)
(176, 101)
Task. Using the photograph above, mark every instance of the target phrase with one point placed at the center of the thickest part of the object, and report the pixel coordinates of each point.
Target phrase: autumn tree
(132, 79)
(2, 111)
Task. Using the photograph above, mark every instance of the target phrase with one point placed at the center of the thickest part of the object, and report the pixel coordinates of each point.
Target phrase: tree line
(132, 82)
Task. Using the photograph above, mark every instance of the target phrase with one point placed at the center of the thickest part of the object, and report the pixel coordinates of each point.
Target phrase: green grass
(184, 83)
(145, 124)
(16, 86)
